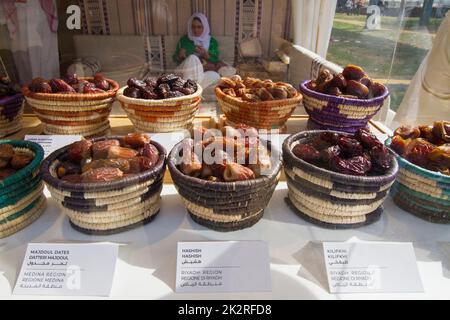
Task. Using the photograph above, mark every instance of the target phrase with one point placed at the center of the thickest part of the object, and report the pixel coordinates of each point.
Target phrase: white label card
(231, 266)
(67, 269)
(52, 143)
(354, 267)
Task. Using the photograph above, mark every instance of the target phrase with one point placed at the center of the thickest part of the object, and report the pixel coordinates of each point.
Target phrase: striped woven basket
(338, 113)
(109, 207)
(21, 195)
(158, 116)
(268, 115)
(73, 114)
(422, 192)
(224, 206)
(11, 109)
(333, 200)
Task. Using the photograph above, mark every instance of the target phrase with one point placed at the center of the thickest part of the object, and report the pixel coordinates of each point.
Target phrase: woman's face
(197, 28)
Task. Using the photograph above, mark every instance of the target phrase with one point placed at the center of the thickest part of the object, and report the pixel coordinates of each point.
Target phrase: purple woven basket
(338, 113)
(10, 114)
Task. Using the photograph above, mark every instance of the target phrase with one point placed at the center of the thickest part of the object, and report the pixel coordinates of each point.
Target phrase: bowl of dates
(423, 183)
(343, 102)
(225, 180)
(338, 180)
(107, 185)
(164, 104)
(72, 105)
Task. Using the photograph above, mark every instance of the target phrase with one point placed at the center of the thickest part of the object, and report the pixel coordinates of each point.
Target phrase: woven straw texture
(269, 115)
(333, 200)
(167, 115)
(224, 206)
(73, 114)
(21, 195)
(109, 207)
(11, 109)
(422, 192)
(339, 113)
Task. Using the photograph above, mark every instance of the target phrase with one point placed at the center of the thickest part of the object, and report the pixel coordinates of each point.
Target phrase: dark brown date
(141, 164)
(122, 164)
(60, 86)
(306, 152)
(367, 139)
(115, 152)
(136, 140)
(408, 132)
(151, 152)
(352, 72)
(100, 149)
(80, 151)
(102, 175)
(381, 159)
(356, 166)
(68, 168)
(350, 147)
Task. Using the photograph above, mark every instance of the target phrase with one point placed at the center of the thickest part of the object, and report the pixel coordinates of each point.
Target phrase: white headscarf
(205, 39)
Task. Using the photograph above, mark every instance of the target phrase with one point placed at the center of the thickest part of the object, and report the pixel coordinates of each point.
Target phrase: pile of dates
(352, 83)
(236, 154)
(425, 146)
(256, 90)
(7, 88)
(359, 155)
(165, 87)
(70, 84)
(12, 161)
(108, 160)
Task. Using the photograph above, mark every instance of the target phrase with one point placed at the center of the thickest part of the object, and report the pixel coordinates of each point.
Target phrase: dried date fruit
(330, 137)
(334, 91)
(356, 88)
(175, 94)
(122, 164)
(219, 163)
(141, 164)
(441, 131)
(279, 93)
(262, 166)
(339, 82)
(226, 83)
(265, 95)
(408, 132)
(100, 149)
(376, 90)
(367, 82)
(440, 157)
(187, 91)
(136, 140)
(6, 152)
(80, 151)
(132, 93)
(135, 83)
(191, 84)
(356, 166)
(236, 172)
(116, 152)
(6, 172)
(20, 160)
(102, 84)
(60, 86)
(327, 154)
(71, 79)
(350, 147)
(148, 93)
(41, 87)
(426, 132)
(68, 168)
(151, 82)
(400, 145)
(381, 159)
(191, 164)
(352, 72)
(367, 139)
(418, 152)
(168, 79)
(102, 175)
(306, 152)
(247, 131)
(163, 91)
(151, 152)
(325, 76)
(73, 178)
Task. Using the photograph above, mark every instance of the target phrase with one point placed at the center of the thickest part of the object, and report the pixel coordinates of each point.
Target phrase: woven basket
(11, 109)
(422, 192)
(338, 113)
(21, 197)
(268, 115)
(167, 115)
(329, 199)
(109, 207)
(224, 206)
(73, 114)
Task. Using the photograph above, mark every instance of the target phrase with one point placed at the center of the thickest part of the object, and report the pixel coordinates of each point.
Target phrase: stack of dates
(352, 83)
(70, 84)
(425, 146)
(235, 155)
(11, 161)
(108, 160)
(359, 155)
(164, 87)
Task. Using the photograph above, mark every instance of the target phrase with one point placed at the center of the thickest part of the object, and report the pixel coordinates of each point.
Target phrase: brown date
(136, 140)
(334, 91)
(279, 93)
(20, 160)
(148, 93)
(367, 139)
(367, 82)
(418, 152)
(339, 82)
(356, 88)
(6, 152)
(41, 87)
(306, 152)
(151, 152)
(122, 164)
(100, 149)
(80, 151)
(400, 145)
(376, 90)
(60, 86)
(116, 152)
(68, 168)
(141, 164)
(381, 159)
(408, 132)
(350, 147)
(356, 166)
(236, 172)
(330, 153)
(352, 72)
(441, 130)
(102, 175)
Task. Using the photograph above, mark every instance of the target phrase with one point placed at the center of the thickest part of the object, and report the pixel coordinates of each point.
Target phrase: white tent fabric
(428, 96)
(312, 23)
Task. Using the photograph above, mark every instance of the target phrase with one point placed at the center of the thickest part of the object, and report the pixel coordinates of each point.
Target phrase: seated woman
(197, 54)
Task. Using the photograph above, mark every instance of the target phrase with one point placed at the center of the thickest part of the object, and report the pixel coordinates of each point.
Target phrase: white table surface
(146, 265)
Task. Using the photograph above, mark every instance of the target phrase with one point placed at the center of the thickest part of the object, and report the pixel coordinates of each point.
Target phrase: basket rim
(30, 168)
(8, 99)
(111, 93)
(433, 174)
(221, 96)
(342, 100)
(122, 98)
(287, 152)
(101, 186)
(218, 185)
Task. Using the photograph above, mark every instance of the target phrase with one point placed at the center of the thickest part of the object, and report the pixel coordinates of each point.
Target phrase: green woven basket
(422, 192)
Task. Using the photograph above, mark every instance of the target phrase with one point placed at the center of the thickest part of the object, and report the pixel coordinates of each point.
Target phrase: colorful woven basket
(329, 199)
(109, 207)
(11, 109)
(422, 192)
(339, 113)
(167, 115)
(21, 195)
(224, 206)
(73, 114)
(268, 115)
